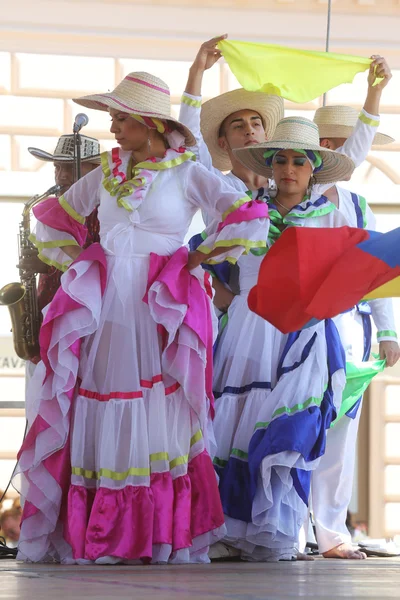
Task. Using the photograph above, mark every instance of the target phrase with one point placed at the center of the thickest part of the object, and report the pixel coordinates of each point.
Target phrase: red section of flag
(315, 274)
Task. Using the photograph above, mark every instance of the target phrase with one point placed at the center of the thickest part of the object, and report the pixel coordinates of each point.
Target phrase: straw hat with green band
(339, 122)
(215, 111)
(294, 133)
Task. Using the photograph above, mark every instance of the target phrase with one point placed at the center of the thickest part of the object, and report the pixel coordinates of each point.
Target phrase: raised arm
(190, 109)
(358, 145)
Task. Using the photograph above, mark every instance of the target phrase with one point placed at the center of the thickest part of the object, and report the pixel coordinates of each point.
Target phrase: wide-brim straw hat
(64, 151)
(339, 122)
(141, 94)
(297, 133)
(215, 111)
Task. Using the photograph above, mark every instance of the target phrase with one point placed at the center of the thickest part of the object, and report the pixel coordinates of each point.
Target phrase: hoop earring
(272, 190)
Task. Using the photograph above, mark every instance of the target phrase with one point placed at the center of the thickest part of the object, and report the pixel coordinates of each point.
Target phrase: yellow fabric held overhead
(297, 75)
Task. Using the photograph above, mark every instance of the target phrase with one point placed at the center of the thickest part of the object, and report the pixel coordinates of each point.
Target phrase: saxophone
(21, 297)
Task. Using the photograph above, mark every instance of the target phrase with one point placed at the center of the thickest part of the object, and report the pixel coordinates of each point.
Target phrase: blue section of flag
(385, 246)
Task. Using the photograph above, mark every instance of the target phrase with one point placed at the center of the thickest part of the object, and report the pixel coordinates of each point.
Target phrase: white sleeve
(358, 144)
(369, 217)
(381, 308)
(189, 115)
(61, 221)
(239, 232)
(383, 316)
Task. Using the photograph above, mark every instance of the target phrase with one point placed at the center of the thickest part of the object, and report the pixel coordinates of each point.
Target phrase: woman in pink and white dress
(116, 465)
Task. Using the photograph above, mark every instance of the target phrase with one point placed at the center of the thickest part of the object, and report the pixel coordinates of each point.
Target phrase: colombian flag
(314, 274)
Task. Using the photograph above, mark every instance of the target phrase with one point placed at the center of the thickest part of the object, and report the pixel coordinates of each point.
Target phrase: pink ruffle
(44, 458)
(255, 209)
(180, 304)
(51, 213)
(126, 523)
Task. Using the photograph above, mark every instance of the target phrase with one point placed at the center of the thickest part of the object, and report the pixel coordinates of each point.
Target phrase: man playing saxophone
(63, 160)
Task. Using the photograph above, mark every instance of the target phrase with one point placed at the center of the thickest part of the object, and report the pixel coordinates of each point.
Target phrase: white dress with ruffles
(141, 484)
(271, 400)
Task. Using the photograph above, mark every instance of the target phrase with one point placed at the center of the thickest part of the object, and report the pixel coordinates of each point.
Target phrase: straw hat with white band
(140, 94)
(64, 151)
(339, 122)
(216, 110)
(297, 133)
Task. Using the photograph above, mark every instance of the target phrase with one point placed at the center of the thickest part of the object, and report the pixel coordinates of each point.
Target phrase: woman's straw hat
(141, 94)
(215, 111)
(339, 122)
(297, 133)
(64, 151)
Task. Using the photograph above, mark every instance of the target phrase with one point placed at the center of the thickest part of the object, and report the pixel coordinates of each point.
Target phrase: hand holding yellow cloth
(297, 75)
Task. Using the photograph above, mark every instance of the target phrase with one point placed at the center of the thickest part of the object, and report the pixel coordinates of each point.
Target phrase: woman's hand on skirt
(223, 296)
(195, 259)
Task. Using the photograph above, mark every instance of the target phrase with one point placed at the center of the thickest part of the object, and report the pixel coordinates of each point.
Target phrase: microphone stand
(77, 156)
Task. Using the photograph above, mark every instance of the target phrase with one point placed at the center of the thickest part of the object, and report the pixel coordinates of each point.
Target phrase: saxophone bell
(21, 297)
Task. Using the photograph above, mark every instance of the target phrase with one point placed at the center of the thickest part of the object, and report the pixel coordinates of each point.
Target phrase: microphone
(81, 120)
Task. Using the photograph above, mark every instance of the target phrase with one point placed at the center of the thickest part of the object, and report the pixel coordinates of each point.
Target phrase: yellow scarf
(297, 75)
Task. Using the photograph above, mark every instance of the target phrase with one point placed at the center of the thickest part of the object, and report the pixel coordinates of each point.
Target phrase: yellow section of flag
(391, 289)
(297, 75)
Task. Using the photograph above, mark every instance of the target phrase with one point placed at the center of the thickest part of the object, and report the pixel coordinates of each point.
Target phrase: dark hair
(221, 130)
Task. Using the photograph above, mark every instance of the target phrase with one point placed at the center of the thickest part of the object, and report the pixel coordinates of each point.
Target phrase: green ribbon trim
(223, 322)
(246, 244)
(196, 438)
(52, 244)
(318, 212)
(259, 251)
(367, 121)
(135, 471)
(239, 454)
(122, 190)
(263, 425)
(168, 164)
(190, 101)
(363, 207)
(358, 378)
(230, 259)
(290, 411)
(70, 211)
(234, 207)
(53, 263)
(159, 456)
(386, 333)
(115, 475)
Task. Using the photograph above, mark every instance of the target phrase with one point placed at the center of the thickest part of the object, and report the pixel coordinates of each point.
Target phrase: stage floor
(372, 578)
